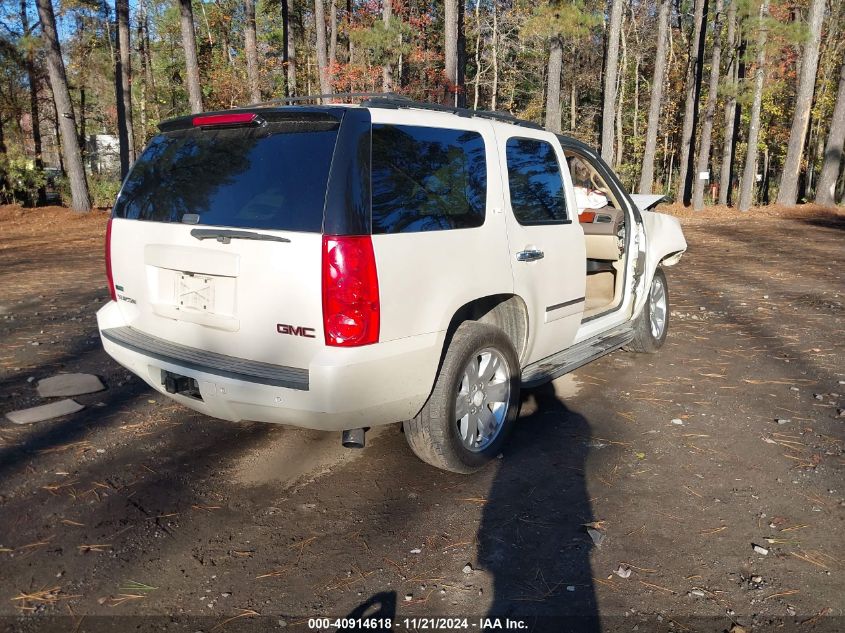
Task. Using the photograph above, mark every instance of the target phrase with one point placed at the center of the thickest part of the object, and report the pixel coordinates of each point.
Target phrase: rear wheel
(652, 324)
(473, 405)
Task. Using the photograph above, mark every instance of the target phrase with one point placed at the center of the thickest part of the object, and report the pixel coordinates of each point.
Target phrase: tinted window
(427, 179)
(535, 181)
(264, 178)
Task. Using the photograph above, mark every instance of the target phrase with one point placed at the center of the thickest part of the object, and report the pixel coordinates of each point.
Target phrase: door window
(427, 179)
(535, 182)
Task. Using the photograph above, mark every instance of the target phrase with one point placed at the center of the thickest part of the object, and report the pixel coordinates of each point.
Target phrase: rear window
(427, 179)
(273, 177)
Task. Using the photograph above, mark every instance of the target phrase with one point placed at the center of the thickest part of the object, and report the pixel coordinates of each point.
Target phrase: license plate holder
(195, 292)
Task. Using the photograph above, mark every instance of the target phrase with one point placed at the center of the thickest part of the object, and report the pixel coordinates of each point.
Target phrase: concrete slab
(63, 385)
(44, 412)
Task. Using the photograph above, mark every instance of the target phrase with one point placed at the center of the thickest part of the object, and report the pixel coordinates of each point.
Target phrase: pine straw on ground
(721, 212)
(50, 237)
(23, 221)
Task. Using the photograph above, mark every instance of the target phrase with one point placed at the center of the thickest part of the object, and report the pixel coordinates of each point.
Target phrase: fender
(665, 243)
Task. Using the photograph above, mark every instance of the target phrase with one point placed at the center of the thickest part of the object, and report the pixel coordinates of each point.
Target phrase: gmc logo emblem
(295, 330)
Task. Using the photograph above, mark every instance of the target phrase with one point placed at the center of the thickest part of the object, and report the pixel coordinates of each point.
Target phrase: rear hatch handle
(224, 236)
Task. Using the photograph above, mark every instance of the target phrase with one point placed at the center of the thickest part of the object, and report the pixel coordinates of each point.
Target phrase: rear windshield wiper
(224, 236)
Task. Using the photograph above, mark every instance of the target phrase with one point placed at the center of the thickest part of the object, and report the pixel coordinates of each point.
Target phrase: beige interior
(600, 290)
(602, 247)
(603, 288)
(603, 291)
(600, 238)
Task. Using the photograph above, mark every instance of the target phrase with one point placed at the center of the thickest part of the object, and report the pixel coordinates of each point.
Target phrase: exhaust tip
(353, 438)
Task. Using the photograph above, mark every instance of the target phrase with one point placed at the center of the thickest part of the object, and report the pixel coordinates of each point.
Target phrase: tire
(466, 379)
(649, 330)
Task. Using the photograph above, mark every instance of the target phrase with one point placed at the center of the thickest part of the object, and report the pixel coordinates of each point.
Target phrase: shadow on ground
(532, 536)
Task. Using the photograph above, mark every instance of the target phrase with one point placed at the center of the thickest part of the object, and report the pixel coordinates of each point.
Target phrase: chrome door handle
(529, 256)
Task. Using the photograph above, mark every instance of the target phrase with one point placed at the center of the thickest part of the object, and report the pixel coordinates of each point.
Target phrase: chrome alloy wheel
(657, 307)
(481, 405)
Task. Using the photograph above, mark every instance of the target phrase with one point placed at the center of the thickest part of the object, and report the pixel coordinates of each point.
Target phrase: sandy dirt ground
(136, 514)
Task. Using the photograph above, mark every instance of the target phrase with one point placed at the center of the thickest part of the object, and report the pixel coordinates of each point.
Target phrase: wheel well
(672, 258)
(506, 312)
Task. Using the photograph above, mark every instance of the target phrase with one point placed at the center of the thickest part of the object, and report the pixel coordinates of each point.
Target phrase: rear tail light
(350, 291)
(112, 293)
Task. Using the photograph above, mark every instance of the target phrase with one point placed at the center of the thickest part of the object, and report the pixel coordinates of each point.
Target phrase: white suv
(340, 267)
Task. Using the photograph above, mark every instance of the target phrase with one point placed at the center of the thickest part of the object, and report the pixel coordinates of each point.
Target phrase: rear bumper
(340, 389)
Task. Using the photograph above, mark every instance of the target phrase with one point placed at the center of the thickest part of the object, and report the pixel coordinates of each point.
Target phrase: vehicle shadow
(532, 536)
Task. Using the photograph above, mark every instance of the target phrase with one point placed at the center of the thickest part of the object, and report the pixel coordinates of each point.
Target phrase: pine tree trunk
(726, 175)
(290, 49)
(251, 50)
(58, 136)
(788, 189)
(189, 44)
(477, 81)
(494, 89)
(4, 184)
(400, 63)
(620, 102)
(833, 153)
(123, 88)
(146, 56)
(172, 84)
(611, 65)
(462, 58)
(64, 108)
(647, 175)
(32, 78)
(125, 54)
(816, 142)
(693, 86)
(749, 173)
(142, 114)
(322, 58)
(703, 163)
(332, 32)
(208, 29)
(553, 115)
(387, 69)
(450, 34)
(81, 132)
(764, 189)
(351, 48)
(636, 125)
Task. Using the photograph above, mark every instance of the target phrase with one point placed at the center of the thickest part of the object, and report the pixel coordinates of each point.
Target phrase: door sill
(570, 359)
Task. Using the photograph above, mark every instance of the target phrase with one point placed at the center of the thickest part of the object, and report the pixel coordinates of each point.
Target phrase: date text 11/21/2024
(417, 624)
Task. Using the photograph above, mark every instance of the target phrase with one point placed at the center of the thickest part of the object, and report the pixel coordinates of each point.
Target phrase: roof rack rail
(335, 95)
(396, 101)
(399, 101)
